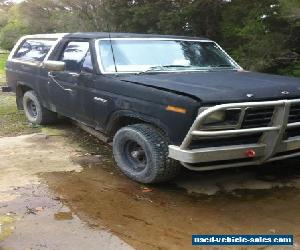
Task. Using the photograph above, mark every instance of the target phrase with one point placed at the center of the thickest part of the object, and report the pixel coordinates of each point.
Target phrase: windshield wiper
(221, 66)
(161, 67)
(175, 66)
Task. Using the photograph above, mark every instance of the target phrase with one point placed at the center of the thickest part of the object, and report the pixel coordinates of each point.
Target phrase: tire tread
(167, 168)
(47, 116)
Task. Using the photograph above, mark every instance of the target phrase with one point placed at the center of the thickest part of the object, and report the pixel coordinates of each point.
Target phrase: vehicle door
(86, 83)
(94, 101)
(63, 86)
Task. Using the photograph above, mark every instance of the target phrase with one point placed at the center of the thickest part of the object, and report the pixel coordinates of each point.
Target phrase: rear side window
(34, 50)
(74, 55)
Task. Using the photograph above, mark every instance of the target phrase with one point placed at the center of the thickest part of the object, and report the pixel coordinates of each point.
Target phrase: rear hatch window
(34, 50)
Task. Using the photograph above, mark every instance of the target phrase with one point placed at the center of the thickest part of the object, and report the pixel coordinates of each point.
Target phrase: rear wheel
(141, 153)
(34, 110)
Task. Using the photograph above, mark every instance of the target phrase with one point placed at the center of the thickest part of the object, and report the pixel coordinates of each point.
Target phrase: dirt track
(54, 194)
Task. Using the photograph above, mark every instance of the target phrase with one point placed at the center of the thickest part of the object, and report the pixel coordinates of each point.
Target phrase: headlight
(223, 118)
(216, 117)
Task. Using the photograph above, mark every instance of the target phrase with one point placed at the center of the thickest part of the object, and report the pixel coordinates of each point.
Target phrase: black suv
(164, 101)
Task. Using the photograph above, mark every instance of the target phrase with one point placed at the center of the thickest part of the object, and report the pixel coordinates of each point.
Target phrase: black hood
(222, 86)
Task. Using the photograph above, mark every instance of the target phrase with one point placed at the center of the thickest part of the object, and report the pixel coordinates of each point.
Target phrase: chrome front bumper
(272, 144)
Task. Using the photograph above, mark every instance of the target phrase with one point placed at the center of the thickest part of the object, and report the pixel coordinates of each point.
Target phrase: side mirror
(54, 65)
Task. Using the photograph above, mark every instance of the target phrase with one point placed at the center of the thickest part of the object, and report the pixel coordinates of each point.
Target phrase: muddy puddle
(69, 195)
(250, 200)
(37, 220)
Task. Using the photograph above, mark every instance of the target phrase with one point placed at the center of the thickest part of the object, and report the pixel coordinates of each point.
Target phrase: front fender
(117, 117)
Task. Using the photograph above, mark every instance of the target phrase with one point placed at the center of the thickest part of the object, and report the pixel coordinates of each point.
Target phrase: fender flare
(20, 87)
(117, 117)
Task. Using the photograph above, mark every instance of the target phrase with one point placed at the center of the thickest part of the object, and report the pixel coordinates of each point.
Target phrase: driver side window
(74, 55)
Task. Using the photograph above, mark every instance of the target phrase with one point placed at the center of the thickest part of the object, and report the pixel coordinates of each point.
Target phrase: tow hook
(250, 153)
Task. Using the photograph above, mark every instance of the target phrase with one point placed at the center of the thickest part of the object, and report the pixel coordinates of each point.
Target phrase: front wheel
(141, 153)
(34, 110)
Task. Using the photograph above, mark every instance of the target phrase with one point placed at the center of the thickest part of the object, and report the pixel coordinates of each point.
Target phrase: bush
(11, 33)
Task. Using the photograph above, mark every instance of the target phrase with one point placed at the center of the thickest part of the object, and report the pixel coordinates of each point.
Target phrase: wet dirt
(38, 226)
(77, 194)
(63, 216)
(32, 217)
(166, 217)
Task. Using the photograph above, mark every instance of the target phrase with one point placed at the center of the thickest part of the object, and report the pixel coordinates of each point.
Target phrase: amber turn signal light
(176, 109)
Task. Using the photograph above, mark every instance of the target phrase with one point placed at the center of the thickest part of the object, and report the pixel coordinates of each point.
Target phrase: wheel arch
(21, 89)
(124, 118)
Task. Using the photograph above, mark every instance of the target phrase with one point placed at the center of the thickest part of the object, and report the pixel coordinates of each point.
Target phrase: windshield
(161, 55)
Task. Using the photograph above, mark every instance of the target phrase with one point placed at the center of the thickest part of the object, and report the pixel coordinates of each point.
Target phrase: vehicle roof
(99, 35)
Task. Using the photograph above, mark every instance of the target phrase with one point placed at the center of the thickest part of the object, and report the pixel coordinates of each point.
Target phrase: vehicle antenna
(112, 49)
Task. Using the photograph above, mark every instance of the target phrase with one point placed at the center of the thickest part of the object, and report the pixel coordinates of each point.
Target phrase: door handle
(57, 83)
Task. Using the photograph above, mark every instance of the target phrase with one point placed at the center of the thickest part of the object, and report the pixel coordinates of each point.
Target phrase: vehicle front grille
(225, 141)
(257, 117)
(294, 115)
(291, 132)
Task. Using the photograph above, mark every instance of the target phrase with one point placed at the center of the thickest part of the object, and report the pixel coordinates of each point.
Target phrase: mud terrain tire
(34, 110)
(141, 153)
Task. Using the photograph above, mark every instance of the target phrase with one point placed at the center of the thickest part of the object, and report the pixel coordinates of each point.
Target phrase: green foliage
(291, 8)
(3, 18)
(262, 35)
(13, 29)
(291, 70)
(3, 58)
(11, 33)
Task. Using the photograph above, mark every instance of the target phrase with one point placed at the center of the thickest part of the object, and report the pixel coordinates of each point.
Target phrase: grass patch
(12, 121)
(3, 58)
